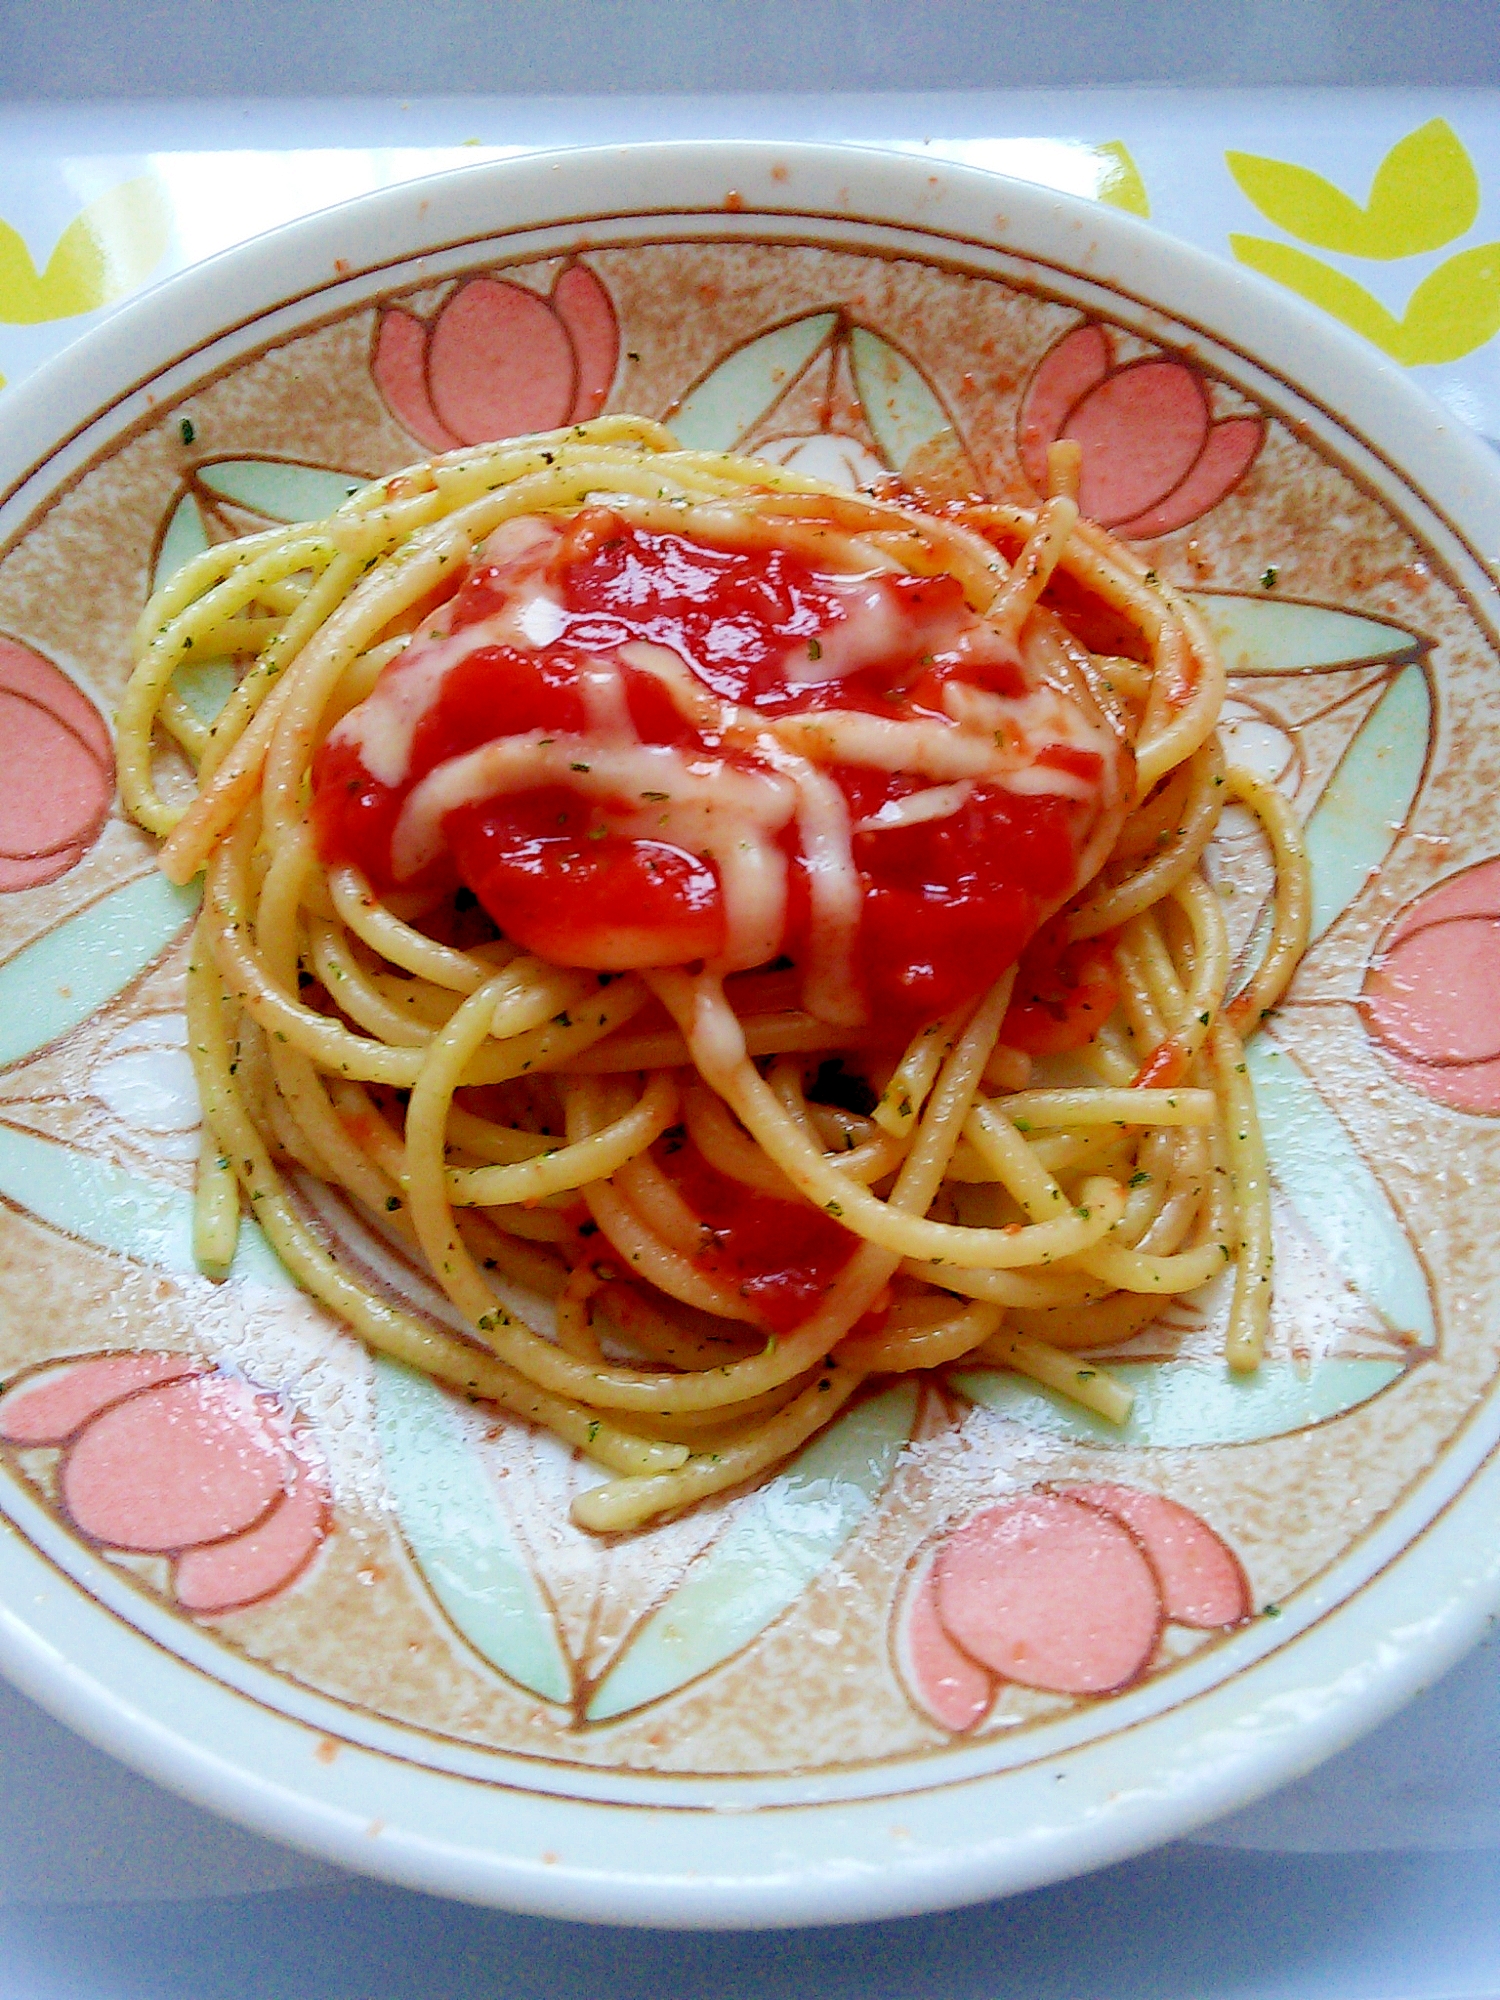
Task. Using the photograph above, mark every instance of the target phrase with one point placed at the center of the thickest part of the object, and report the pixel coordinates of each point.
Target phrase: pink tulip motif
(57, 770)
(1154, 458)
(162, 1455)
(1429, 996)
(1064, 1589)
(499, 360)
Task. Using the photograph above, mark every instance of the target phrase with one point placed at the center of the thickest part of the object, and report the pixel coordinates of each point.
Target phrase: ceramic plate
(316, 1592)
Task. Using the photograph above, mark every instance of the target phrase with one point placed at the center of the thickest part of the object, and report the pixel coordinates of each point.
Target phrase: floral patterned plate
(970, 1639)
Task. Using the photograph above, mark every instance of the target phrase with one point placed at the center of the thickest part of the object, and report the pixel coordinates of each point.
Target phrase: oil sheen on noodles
(738, 937)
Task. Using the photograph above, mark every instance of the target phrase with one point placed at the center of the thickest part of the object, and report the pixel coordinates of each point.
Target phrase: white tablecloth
(1375, 1878)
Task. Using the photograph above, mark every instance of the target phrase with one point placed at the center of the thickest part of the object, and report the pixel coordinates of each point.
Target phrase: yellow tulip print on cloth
(1425, 196)
(109, 248)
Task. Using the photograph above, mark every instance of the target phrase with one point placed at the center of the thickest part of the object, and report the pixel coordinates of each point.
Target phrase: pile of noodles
(1008, 1212)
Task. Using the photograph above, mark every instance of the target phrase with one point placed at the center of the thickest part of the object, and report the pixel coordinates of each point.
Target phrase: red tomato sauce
(948, 903)
(1064, 992)
(781, 1256)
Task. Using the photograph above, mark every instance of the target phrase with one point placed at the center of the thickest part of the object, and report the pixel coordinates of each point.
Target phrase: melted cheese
(602, 687)
(1023, 724)
(383, 726)
(932, 749)
(871, 629)
(646, 791)
(937, 802)
(695, 703)
(824, 834)
(731, 803)
(829, 989)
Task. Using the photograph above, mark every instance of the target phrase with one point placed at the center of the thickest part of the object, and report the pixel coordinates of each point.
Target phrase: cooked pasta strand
(513, 1121)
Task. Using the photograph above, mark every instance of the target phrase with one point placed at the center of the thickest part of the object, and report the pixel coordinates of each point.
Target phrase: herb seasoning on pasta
(737, 936)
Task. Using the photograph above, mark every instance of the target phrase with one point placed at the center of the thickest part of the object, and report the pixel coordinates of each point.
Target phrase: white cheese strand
(694, 702)
(606, 711)
(917, 808)
(935, 749)
(872, 628)
(753, 872)
(385, 723)
(647, 791)
(381, 729)
(829, 988)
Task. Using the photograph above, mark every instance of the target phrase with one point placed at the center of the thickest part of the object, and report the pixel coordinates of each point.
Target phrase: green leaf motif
(1425, 193)
(101, 1204)
(1180, 1403)
(458, 1534)
(1277, 635)
(1454, 310)
(1315, 1162)
(736, 393)
(278, 489)
(903, 413)
(1366, 801)
(183, 538)
(786, 1532)
(53, 985)
(205, 686)
(106, 250)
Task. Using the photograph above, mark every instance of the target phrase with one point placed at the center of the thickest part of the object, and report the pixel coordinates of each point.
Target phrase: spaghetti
(737, 936)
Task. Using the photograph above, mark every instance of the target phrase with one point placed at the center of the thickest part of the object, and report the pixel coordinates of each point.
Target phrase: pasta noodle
(1000, 1144)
